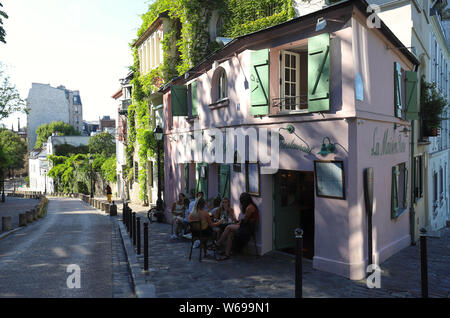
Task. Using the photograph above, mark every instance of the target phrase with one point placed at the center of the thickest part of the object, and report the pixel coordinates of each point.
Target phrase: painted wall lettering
(389, 145)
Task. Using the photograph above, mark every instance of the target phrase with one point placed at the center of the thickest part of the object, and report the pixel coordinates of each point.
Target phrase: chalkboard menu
(330, 179)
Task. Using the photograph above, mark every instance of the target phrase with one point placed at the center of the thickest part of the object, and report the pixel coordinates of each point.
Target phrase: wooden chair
(196, 230)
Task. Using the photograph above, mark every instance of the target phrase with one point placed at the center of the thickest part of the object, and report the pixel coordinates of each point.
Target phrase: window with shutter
(319, 73)
(397, 90)
(412, 95)
(224, 181)
(186, 178)
(259, 82)
(178, 100)
(399, 189)
(194, 99)
(202, 179)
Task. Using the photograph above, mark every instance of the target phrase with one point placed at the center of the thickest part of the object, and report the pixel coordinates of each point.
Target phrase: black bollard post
(423, 263)
(138, 234)
(146, 246)
(134, 228)
(131, 224)
(298, 264)
(125, 217)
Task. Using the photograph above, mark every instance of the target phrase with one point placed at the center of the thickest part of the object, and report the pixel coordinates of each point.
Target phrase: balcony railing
(292, 103)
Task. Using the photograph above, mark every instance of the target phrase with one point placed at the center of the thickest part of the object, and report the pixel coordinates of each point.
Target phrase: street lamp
(91, 161)
(45, 181)
(158, 133)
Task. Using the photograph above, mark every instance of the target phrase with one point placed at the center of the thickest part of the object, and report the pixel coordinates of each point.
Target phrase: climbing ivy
(184, 45)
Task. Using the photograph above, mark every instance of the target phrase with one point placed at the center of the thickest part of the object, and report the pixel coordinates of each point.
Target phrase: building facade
(328, 95)
(47, 104)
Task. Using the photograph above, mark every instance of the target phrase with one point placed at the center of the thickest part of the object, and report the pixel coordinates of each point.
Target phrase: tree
(2, 30)
(14, 150)
(10, 100)
(46, 130)
(103, 144)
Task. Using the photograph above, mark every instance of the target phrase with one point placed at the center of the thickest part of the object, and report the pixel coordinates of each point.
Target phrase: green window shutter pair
(224, 182)
(179, 100)
(318, 77)
(394, 191)
(397, 90)
(412, 95)
(319, 73)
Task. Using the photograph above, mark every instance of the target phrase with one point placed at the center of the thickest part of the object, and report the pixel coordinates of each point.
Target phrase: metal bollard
(146, 246)
(138, 234)
(134, 228)
(423, 263)
(298, 263)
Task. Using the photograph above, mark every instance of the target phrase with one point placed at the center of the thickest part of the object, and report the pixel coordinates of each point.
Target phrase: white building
(47, 104)
(39, 165)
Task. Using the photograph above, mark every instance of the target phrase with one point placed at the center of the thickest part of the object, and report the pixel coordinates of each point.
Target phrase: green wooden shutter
(397, 90)
(259, 82)
(197, 179)
(194, 99)
(178, 100)
(394, 192)
(412, 97)
(224, 181)
(405, 188)
(202, 183)
(186, 178)
(319, 73)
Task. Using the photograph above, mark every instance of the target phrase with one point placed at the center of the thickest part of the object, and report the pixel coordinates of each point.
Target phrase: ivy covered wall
(185, 43)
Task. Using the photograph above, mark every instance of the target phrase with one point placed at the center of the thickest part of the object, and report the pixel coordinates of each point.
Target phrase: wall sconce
(289, 128)
(321, 24)
(327, 149)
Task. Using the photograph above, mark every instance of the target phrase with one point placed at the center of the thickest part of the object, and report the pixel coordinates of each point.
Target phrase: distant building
(47, 104)
(90, 127)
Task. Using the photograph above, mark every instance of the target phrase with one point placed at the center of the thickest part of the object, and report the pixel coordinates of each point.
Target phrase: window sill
(290, 113)
(191, 119)
(219, 104)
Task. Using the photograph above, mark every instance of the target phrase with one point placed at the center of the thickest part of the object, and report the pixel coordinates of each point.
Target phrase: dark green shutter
(319, 73)
(394, 192)
(405, 188)
(202, 183)
(186, 179)
(259, 82)
(412, 97)
(224, 181)
(178, 100)
(194, 99)
(397, 90)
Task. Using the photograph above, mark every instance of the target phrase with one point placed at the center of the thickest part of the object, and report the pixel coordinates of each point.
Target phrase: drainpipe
(412, 213)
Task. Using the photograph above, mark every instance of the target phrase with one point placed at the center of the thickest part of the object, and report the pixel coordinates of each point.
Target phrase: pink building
(339, 93)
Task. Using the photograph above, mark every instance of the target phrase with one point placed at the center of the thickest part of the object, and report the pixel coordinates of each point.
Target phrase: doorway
(293, 208)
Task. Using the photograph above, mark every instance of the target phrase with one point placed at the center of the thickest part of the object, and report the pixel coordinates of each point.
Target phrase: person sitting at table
(200, 214)
(243, 230)
(226, 213)
(178, 210)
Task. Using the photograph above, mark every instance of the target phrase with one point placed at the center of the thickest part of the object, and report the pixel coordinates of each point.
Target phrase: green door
(286, 209)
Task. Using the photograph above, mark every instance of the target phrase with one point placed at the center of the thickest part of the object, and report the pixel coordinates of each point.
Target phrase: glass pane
(287, 60)
(293, 77)
(286, 90)
(286, 74)
(293, 60)
(293, 90)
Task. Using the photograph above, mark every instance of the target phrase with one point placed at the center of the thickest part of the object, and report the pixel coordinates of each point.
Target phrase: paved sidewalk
(272, 275)
(13, 206)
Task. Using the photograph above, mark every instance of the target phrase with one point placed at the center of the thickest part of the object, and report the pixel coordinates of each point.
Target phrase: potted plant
(432, 103)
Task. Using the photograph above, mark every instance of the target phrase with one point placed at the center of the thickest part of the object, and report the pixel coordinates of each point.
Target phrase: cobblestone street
(272, 275)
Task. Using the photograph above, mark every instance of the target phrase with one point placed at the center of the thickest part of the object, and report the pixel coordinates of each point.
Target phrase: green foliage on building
(46, 130)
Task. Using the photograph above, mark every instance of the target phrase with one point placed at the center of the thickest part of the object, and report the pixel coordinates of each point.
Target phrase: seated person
(178, 211)
(191, 207)
(225, 213)
(243, 230)
(200, 214)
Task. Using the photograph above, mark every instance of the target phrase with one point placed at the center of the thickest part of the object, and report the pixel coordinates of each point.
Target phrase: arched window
(220, 85)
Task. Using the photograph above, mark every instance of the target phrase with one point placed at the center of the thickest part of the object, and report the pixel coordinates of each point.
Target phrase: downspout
(412, 212)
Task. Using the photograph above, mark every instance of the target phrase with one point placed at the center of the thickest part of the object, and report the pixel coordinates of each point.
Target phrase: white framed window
(222, 86)
(289, 81)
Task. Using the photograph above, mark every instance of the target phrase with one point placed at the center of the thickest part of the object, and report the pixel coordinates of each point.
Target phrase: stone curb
(141, 288)
(3, 235)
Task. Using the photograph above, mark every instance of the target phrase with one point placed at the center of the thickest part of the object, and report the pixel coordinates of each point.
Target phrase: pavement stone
(13, 206)
(272, 275)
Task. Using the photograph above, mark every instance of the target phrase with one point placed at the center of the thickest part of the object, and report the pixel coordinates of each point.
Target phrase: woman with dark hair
(242, 231)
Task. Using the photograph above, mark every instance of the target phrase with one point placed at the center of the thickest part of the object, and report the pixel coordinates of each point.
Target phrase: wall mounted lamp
(289, 128)
(327, 149)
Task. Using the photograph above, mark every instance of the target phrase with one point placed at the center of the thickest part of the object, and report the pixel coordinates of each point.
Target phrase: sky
(81, 44)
